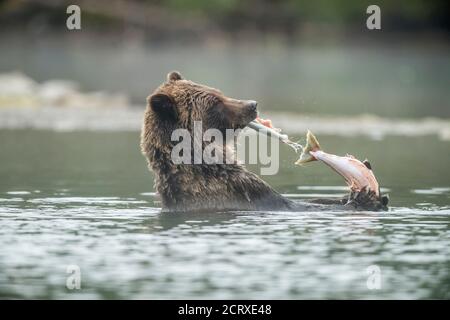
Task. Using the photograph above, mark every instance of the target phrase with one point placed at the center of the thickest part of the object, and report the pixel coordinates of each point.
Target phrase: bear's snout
(252, 104)
(251, 108)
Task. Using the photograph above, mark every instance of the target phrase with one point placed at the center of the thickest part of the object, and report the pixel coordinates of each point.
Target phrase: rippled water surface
(86, 199)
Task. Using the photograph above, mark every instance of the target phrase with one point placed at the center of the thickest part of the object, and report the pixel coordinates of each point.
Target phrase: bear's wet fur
(177, 104)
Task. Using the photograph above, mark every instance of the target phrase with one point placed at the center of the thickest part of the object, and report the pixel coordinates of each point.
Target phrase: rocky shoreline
(130, 119)
(60, 106)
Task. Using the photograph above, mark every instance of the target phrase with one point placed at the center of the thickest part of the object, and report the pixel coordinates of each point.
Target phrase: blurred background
(313, 57)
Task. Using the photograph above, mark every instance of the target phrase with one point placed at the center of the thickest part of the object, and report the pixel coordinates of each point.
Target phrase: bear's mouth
(245, 120)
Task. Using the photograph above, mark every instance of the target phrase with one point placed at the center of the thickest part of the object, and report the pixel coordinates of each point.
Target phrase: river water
(86, 200)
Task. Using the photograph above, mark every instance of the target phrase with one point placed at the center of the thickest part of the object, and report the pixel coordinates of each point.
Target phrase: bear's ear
(174, 76)
(163, 105)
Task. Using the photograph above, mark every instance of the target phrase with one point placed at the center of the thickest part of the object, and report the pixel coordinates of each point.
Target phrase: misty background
(304, 57)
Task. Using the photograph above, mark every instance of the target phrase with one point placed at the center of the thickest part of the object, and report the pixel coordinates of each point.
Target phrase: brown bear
(176, 104)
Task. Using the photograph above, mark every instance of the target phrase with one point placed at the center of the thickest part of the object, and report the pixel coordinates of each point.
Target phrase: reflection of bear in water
(176, 104)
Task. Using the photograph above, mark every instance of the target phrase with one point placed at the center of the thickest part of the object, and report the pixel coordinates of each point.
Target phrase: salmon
(364, 187)
(358, 175)
(266, 127)
(265, 122)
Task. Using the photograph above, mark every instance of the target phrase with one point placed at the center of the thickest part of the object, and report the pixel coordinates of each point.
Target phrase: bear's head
(177, 103)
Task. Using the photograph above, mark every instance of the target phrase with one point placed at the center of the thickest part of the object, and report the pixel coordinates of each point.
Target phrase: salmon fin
(311, 145)
(367, 164)
(352, 185)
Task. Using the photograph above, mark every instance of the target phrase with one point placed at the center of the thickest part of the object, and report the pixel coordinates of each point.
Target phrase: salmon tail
(311, 145)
